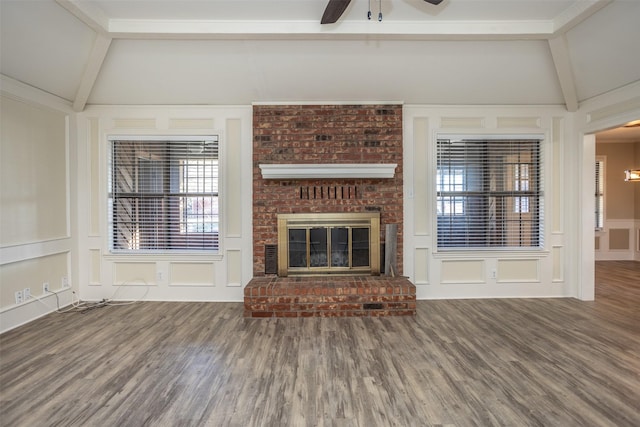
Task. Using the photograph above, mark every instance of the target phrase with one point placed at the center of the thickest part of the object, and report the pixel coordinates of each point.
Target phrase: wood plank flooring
(509, 362)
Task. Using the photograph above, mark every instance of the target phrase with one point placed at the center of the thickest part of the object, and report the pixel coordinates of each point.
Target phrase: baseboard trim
(14, 316)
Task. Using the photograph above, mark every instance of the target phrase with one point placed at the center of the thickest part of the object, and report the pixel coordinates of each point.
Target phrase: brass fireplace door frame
(369, 220)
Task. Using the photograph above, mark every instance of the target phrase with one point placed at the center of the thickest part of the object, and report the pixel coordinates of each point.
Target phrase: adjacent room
(319, 212)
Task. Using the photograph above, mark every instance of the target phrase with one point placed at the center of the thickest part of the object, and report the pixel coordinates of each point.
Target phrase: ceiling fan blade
(334, 10)
(436, 2)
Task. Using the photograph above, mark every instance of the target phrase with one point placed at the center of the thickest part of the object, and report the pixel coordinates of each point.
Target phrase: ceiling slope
(243, 51)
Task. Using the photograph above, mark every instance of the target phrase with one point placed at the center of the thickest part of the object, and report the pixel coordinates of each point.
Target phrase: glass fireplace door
(328, 243)
(318, 249)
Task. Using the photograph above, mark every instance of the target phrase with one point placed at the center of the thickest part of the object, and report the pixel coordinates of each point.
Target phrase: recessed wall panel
(518, 122)
(33, 173)
(558, 270)
(421, 270)
(463, 271)
(31, 274)
(134, 123)
(619, 238)
(95, 256)
(518, 270)
(462, 122)
(94, 178)
(420, 179)
(233, 196)
(192, 274)
(194, 123)
(134, 273)
(234, 268)
(557, 164)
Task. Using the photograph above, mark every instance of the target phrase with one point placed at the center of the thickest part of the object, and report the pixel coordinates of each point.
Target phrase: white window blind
(489, 193)
(163, 195)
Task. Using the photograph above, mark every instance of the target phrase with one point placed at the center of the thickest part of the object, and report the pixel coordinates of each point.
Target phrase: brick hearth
(329, 296)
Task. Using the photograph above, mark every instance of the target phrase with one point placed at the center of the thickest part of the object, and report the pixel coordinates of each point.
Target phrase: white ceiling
(469, 52)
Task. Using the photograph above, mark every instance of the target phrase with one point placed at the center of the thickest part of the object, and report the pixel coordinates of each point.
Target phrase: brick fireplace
(326, 135)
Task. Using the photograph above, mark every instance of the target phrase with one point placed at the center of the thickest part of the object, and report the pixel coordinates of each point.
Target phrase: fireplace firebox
(329, 243)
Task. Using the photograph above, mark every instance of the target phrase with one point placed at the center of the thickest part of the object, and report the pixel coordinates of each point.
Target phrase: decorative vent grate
(329, 192)
(270, 259)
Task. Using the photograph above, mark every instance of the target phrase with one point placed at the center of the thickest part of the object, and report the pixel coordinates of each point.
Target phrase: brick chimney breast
(325, 134)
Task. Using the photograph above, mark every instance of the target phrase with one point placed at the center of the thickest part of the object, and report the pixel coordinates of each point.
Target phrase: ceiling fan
(335, 9)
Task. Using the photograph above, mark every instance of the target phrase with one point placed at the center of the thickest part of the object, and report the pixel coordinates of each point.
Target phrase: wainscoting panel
(518, 122)
(95, 256)
(134, 123)
(192, 274)
(205, 123)
(421, 266)
(557, 255)
(619, 239)
(421, 179)
(463, 271)
(462, 122)
(518, 270)
(134, 273)
(234, 268)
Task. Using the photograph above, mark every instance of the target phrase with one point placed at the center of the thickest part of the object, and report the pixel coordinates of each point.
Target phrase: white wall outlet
(26, 294)
(494, 273)
(45, 287)
(64, 282)
(19, 297)
(159, 276)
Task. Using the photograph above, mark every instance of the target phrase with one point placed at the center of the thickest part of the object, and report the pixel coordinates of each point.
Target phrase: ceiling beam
(576, 13)
(96, 58)
(564, 70)
(416, 30)
(88, 13)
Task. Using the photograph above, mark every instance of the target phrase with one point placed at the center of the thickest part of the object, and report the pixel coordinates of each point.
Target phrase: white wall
(73, 243)
(479, 274)
(603, 112)
(36, 198)
(207, 277)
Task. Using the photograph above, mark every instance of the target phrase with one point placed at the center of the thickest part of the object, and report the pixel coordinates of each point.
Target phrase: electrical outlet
(19, 297)
(159, 276)
(65, 282)
(494, 274)
(45, 287)
(26, 294)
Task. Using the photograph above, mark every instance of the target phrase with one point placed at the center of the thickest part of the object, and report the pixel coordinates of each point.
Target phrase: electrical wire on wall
(78, 306)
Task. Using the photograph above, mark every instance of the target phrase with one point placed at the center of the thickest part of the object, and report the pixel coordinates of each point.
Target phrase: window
(599, 193)
(163, 194)
(489, 193)
(451, 181)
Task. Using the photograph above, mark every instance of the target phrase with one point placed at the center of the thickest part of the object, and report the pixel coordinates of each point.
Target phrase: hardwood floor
(511, 362)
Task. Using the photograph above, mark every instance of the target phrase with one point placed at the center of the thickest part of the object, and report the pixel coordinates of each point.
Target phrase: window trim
(603, 179)
(490, 252)
(163, 254)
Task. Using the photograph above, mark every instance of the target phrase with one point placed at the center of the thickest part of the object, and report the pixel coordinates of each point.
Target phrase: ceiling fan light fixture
(632, 124)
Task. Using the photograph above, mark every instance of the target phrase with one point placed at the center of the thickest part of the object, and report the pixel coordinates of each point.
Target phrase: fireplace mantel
(327, 170)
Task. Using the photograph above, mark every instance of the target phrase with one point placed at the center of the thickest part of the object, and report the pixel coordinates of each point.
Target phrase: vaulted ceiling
(230, 52)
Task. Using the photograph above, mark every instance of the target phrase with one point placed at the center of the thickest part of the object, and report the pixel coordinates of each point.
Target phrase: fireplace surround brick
(329, 296)
(325, 134)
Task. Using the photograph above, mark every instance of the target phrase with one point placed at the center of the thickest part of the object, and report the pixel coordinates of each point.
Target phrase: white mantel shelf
(328, 170)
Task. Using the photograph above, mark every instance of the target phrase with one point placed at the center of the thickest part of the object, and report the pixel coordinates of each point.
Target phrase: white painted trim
(17, 315)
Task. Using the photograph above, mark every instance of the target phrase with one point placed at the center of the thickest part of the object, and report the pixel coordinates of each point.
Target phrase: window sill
(164, 256)
(492, 253)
